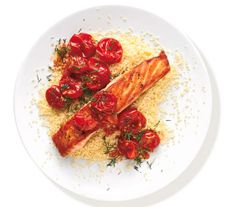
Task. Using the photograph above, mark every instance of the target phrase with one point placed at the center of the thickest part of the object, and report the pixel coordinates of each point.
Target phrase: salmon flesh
(127, 88)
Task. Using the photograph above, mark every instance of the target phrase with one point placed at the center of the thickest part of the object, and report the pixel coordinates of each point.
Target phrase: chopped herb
(76, 68)
(85, 78)
(94, 71)
(108, 146)
(68, 100)
(128, 135)
(139, 135)
(150, 163)
(136, 168)
(112, 162)
(87, 91)
(61, 51)
(156, 125)
(74, 107)
(49, 77)
(38, 79)
(59, 41)
(79, 30)
(138, 161)
(115, 75)
(50, 68)
(64, 41)
(82, 100)
(109, 48)
(64, 87)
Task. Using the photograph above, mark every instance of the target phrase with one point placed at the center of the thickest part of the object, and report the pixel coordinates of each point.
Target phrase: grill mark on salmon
(127, 88)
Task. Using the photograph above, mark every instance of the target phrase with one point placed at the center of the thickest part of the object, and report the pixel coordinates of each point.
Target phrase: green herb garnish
(138, 161)
(49, 77)
(150, 164)
(85, 78)
(136, 168)
(76, 68)
(128, 135)
(112, 162)
(64, 87)
(108, 147)
(61, 51)
(139, 135)
(87, 91)
(38, 78)
(156, 125)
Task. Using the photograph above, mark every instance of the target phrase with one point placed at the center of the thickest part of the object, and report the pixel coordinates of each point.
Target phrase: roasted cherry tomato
(85, 122)
(149, 140)
(54, 97)
(82, 43)
(109, 50)
(98, 76)
(131, 120)
(108, 123)
(77, 66)
(104, 102)
(129, 148)
(70, 88)
(74, 45)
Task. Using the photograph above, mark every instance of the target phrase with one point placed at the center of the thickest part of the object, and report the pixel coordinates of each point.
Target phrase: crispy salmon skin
(127, 88)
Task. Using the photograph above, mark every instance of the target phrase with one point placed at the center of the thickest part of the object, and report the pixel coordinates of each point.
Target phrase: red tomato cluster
(101, 114)
(86, 66)
(135, 142)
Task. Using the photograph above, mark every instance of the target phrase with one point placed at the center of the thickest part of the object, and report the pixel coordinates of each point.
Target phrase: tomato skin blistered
(54, 97)
(70, 88)
(128, 148)
(104, 102)
(131, 120)
(150, 140)
(82, 44)
(109, 50)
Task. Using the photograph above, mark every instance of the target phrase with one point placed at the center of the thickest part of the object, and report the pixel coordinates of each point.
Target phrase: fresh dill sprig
(157, 124)
(128, 135)
(108, 146)
(38, 78)
(49, 77)
(150, 164)
(112, 162)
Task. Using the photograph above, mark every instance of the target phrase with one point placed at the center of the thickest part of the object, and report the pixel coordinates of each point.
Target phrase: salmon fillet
(127, 88)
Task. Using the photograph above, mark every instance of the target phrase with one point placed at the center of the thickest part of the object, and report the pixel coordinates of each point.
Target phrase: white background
(210, 24)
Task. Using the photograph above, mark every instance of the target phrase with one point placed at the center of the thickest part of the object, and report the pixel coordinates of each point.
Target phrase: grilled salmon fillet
(127, 88)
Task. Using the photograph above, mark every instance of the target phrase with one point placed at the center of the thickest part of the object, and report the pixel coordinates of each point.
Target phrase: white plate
(171, 159)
